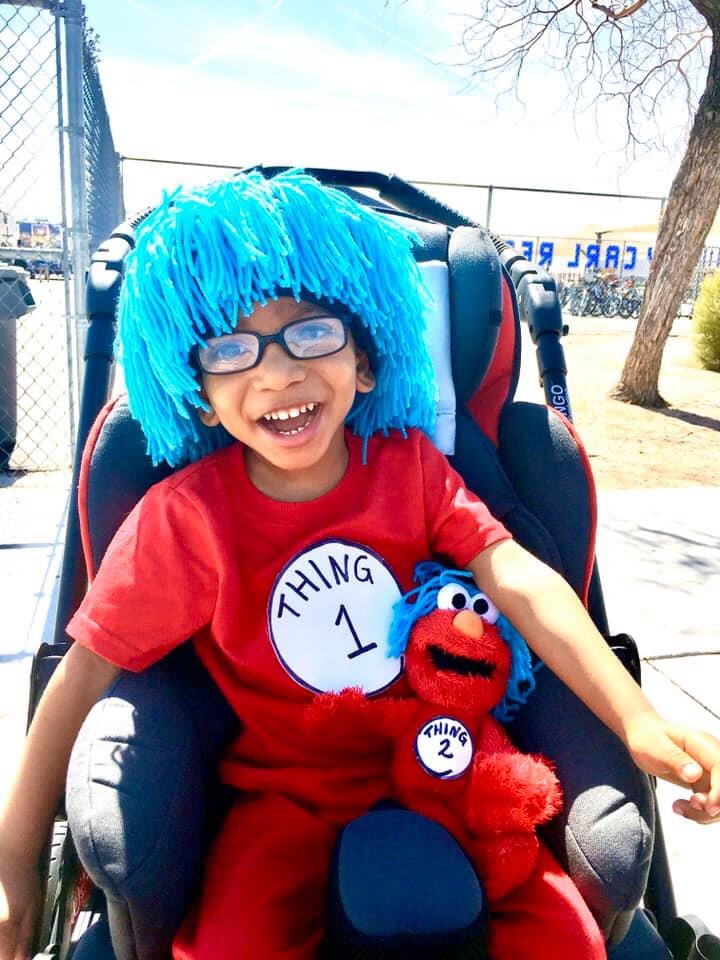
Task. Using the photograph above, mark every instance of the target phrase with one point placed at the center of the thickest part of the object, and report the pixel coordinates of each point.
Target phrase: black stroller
(138, 828)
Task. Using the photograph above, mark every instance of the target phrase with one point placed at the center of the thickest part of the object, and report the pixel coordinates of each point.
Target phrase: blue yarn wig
(205, 255)
(431, 577)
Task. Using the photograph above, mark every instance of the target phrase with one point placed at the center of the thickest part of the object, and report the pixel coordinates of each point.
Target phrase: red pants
(265, 884)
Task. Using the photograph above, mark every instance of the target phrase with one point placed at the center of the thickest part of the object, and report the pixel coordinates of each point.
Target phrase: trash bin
(16, 300)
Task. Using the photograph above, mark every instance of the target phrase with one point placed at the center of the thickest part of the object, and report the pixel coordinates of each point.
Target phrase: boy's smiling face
(296, 460)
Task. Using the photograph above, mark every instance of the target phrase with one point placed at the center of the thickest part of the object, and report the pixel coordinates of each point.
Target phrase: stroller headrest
(462, 270)
(438, 338)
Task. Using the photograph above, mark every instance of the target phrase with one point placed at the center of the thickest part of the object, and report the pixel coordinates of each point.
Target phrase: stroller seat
(141, 801)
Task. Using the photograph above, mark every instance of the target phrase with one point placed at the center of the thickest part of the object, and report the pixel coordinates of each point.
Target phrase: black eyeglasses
(304, 339)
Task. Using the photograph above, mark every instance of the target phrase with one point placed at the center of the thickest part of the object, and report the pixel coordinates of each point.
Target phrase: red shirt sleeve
(156, 585)
(459, 525)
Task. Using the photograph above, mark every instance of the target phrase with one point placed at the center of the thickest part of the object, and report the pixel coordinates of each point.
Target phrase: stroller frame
(534, 300)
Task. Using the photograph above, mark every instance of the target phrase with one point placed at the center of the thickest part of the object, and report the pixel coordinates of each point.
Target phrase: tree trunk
(692, 204)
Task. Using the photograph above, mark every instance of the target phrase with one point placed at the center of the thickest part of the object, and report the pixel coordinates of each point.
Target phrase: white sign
(444, 747)
(329, 617)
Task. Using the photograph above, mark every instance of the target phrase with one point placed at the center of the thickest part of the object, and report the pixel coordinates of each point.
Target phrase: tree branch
(612, 15)
(641, 52)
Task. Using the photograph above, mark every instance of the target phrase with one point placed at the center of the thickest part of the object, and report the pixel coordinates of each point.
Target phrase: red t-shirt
(282, 599)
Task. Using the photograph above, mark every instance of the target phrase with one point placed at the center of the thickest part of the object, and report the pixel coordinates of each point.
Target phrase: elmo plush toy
(452, 759)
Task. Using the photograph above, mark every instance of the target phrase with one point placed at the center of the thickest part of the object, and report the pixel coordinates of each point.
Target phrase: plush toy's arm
(491, 737)
(511, 791)
(351, 713)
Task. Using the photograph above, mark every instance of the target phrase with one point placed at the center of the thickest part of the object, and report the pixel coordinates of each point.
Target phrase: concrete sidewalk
(32, 527)
(659, 557)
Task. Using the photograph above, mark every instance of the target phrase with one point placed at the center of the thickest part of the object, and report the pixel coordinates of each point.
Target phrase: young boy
(266, 318)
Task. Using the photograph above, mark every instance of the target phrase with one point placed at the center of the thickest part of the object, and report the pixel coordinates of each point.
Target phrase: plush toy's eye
(484, 607)
(453, 597)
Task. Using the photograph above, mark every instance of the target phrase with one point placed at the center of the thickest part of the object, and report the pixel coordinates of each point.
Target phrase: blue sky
(356, 83)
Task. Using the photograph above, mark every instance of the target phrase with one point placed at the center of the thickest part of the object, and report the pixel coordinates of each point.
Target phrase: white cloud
(366, 112)
(276, 55)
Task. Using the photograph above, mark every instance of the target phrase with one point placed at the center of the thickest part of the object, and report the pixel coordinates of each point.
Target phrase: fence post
(72, 10)
(69, 338)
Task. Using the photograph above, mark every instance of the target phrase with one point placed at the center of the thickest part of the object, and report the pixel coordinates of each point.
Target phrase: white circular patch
(329, 617)
(444, 747)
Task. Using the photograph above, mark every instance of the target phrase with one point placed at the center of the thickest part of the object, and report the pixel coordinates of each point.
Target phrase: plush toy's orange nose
(469, 623)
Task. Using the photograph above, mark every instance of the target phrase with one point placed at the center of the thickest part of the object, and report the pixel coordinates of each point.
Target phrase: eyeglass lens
(303, 339)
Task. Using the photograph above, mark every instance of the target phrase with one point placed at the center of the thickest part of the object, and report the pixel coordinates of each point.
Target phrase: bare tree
(646, 54)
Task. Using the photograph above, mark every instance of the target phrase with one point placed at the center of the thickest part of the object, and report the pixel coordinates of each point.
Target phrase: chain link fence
(709, 263)
(34, 373)
(60, 195)
(102, 164)
(520, 215)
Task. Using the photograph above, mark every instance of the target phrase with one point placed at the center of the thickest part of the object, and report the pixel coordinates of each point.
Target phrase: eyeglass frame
(263, 339)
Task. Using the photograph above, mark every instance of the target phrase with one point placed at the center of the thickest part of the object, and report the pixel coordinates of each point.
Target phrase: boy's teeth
(290, 412)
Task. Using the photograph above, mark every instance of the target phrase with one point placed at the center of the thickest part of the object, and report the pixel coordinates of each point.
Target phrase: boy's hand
(19, 907)
(681, 755)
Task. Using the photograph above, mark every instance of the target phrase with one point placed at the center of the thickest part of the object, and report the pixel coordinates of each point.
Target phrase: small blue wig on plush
(207, 254)
(431, 577)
